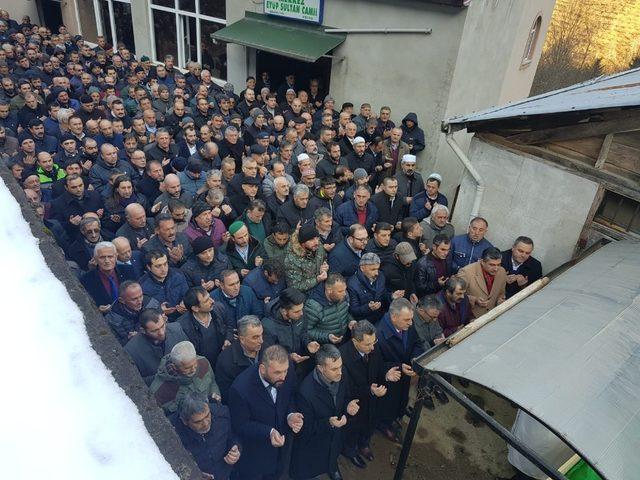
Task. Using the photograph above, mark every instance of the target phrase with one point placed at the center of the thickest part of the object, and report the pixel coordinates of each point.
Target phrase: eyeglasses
(363, 239)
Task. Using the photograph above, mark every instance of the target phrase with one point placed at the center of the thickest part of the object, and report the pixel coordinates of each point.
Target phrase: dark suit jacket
(532, 269)
(230, 363)
(385, 212)
(253, 415)
(91, 282)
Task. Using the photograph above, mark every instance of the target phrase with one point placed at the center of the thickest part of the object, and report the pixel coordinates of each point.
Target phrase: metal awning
(296, 40)
(570, 356)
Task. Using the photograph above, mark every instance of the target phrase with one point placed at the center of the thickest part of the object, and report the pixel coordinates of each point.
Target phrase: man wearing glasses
(345, 257)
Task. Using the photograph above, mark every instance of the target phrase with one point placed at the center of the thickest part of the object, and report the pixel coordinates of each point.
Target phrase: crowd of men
(271, 264)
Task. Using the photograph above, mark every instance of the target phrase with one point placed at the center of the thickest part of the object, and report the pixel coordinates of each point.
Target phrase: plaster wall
(525, 196)
(488, 70)
(19, 9)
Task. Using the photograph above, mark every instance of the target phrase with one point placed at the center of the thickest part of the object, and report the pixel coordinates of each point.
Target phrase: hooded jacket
(169, 386)
(413, 137)
(291, 335)
(302, 267)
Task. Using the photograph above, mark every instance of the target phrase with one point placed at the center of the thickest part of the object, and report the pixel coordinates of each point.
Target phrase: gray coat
(147, 356)
(405, 183)
(429, 231)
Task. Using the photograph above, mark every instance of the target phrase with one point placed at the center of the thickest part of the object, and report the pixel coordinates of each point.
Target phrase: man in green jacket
(327, 311)
(180, 372)
(304, 262)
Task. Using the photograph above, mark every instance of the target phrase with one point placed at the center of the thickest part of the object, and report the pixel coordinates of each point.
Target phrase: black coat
(91, 282)
(67, 206)
(398, 276)
(230, 363)
(253, 415)
(426, 276)
(317, 446)
(532, 269)
(207, 341)
(291, 214)
(395, 353)
(386, 213)
(360, 374)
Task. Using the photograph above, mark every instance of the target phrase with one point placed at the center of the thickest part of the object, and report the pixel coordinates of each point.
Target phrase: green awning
(301, 41)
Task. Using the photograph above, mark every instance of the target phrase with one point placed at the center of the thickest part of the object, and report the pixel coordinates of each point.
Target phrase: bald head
(171, 185)
(123, 249)
(136, 216)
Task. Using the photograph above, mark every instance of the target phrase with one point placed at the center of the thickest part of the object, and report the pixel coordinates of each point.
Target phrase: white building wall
(21, 8)
(525, 196)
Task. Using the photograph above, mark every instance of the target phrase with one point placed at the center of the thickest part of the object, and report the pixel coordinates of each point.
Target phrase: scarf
(331, 386)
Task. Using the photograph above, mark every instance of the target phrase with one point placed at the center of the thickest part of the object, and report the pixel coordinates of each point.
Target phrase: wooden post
(496, 312)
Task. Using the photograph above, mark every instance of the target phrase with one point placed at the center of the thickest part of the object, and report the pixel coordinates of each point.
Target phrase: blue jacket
(253, 415)
(361, 292)
(92, 283)
(171, 290)
(346, 215)
(209, 449)
(417, 208)
(465, 252)
(117, 140)
(257, 282)
(137, 262)
(343, 260)
(246, 304)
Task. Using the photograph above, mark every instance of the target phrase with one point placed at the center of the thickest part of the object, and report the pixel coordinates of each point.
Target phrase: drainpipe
(470, 168)
(425, 31)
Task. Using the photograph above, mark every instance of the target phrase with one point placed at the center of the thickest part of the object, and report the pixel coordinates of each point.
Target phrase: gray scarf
(331, 386)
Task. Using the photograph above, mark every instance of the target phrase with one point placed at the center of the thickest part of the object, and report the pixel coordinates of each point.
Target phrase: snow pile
(63, 415)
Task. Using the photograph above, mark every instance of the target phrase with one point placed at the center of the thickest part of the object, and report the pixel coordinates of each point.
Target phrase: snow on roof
(64, 416)
(612, 91)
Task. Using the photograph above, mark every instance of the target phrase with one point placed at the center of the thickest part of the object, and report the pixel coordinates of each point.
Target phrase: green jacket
(48, 179)
(169, 386)
(324, 317)
(301, 268)
(273, 250)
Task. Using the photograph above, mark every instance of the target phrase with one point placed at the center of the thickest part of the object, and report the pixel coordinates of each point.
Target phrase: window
(619, 213)
(532, 40)
(183, 28)
(113, 20)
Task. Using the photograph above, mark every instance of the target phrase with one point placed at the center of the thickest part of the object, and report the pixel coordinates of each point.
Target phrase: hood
(410, 116)
(168, 373)
(317, 293)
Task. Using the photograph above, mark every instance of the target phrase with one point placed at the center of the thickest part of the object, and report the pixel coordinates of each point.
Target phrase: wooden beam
(604, 151)
(610, 181)
(584, 233)
(571, 132)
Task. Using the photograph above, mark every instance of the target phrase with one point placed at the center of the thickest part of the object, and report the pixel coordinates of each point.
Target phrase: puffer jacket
(325, 317)
(292, 336)
(169, 386)
(301, 267)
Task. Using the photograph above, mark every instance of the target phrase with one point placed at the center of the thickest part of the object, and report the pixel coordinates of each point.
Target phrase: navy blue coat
(317, 446)
(137, 262)
(361, 292)
(91, 282)
(417, 208)
(257, 282)
(396, 351)
(253, 415)
(343, 260)
(209, 449)
(246, 304)
(171, 290)
(346, 216)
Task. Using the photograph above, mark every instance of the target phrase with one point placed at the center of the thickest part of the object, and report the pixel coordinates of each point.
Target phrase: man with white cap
(360, 158)
(410, 182)
(423, 202)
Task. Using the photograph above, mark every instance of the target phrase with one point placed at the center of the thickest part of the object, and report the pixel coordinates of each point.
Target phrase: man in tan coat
(486, 281)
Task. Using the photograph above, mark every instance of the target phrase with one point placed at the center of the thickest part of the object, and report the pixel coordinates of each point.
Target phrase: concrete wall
(141, 27)
(525, 196)
(72, 10)
(488, 70)
(21, 8)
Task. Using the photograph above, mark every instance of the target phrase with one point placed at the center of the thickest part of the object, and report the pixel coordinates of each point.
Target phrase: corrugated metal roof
(613, 91)
(570, 355)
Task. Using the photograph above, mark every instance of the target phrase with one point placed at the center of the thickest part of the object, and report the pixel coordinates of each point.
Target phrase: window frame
(532, 41)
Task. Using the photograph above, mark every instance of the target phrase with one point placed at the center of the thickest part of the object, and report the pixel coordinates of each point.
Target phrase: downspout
(446, 128)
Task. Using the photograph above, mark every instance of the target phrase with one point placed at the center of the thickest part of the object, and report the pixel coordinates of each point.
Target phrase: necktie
(365, 358)
(114, 289)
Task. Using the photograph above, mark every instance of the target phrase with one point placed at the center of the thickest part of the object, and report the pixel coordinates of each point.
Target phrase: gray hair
(64, 114)
(321, 212)
(100, 245)
(429, 302)
(246, 161)
(87, 221)
(182, 352)
(275, 354)
(215, 195)
(299, 189)
(230, 129)
(191, 404)
(247, 321)
(437, 207)
(362, 328)
(327, 352)
(398, 305)
(215, 173)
